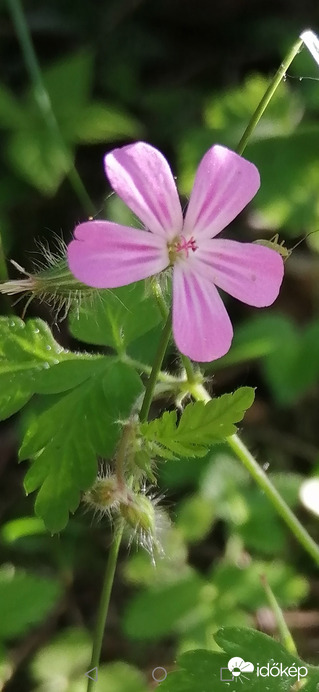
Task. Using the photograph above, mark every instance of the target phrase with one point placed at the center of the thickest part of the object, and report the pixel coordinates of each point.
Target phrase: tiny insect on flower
(280, 247)
(104, 254)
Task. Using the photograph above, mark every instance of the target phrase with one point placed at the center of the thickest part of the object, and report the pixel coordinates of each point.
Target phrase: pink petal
(249, 272)
(201, 326)
(141, 176)
(224, 184)
(107, 255)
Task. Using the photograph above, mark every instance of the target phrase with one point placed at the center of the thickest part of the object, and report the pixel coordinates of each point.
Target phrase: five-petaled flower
(107, 255)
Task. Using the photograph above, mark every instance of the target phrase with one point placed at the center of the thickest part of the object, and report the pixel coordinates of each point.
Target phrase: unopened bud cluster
(107, 496)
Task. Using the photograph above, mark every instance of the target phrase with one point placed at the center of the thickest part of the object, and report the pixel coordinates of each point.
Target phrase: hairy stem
(268, 95)
(147, 369)
(105, 600)
(44, 102)
(164, 341)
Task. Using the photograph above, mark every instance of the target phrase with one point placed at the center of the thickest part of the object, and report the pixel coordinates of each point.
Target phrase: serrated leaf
(200, 426)
(25, 599)
(66, 438)
(116, 318)
(31, 361)
(204, 671)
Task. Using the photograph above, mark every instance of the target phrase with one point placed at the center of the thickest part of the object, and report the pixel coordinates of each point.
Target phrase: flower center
(180, 247)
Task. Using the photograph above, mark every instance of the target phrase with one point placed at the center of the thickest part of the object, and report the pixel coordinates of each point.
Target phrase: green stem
(121, 455)
(199, 392)
(105, 600)
(239, 448)
(269, 94)
(143, 367)
(285, 635)
(166, 334)
(191, 375)
(44, 102)
(275, 498)
(158, 294)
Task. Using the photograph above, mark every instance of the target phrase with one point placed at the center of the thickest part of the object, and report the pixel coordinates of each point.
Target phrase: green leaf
(31, 361)
(231, 109)
(222, 483)
(200, 670)
(61, 665)
(11, 111)
(257, 337)
(200, 425)
(19, 528)
(226, 115)
(66, 438)
(36, 156)
(242, 585)
(145, 617)
(195, 517)
(116, 317)
(25, 600)
(272, 541)
(290, 159)
(62, 660)
(69, 82)
(293, 368)
(99, 122)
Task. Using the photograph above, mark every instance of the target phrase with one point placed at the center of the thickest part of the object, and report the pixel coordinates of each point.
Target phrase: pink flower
(107, 255)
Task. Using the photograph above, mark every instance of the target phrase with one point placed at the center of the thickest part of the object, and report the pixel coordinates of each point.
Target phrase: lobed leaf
(31, 361)
(202, 670)
(69, 434)
(200, 425)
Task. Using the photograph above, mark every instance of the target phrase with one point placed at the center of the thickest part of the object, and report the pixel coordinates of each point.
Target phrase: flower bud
(51, 282)
(139, 513)
(104, 494)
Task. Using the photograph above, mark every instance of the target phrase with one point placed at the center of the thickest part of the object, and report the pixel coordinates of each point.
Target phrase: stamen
(180, 244)
(186, 245)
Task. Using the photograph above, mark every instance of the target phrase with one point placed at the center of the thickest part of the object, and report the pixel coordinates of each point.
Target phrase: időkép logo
(237, 670)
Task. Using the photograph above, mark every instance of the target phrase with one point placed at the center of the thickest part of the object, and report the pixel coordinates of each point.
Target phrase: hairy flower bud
(139, 513)
(51, 282)
(104, 494)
